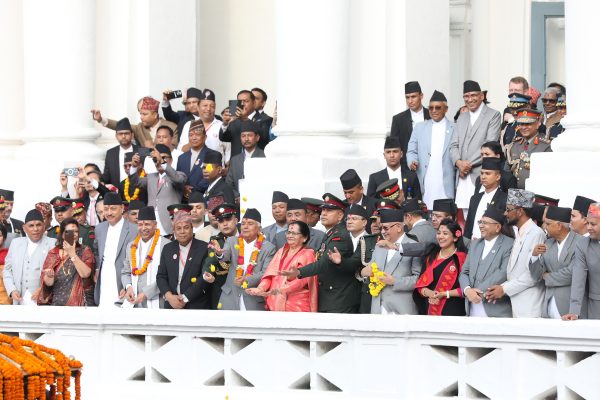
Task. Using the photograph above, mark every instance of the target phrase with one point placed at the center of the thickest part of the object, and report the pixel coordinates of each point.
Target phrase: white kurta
(434, 177)
(109, 291)
(248, 249)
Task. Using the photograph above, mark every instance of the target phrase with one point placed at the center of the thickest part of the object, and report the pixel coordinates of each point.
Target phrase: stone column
(572, 168)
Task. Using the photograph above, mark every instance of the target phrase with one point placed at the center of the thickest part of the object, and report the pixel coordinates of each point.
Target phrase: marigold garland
(28, 368)
(375, 285)
(148, 259)
(136, 192)
(253, 256)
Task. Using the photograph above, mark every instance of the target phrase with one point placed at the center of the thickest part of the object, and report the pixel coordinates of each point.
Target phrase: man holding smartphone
(63, 209)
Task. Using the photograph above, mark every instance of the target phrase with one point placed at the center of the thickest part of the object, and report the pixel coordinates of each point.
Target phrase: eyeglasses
(436, 108)
(544, 100)
(387, 228)
(290, 233)
(482, 222)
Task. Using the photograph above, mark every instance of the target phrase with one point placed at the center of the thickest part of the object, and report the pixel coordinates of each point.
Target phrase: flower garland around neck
(253, 256)
(24, 363)
(148, 259)
(136, 192)
(375, 285)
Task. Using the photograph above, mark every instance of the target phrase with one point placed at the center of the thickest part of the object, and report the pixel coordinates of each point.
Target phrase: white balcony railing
(158, 354)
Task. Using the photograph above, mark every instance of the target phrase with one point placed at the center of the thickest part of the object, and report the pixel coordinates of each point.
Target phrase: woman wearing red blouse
(437, 291)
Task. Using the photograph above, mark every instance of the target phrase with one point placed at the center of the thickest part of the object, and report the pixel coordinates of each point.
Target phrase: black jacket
(498, 201)
(112, 167)
(402, 128)
(410, 183)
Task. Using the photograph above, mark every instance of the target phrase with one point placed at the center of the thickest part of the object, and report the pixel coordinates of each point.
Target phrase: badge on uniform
(197, 162)
(452, 268)
(174, 256)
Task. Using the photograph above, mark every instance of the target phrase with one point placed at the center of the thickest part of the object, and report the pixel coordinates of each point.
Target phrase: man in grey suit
(233, 295)
(165, 187)
(25, 258)
(485, 266)
(429, 152)
(551, 262)
(586, 270)
(296, 211)
(278, 211)
(112, 235)
(525, 293)
(418, 226)
(400, 272)
(139, 277)
(473, 128)
(249, 137)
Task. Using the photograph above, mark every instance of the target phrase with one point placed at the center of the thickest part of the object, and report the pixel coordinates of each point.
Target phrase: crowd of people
(446, 228)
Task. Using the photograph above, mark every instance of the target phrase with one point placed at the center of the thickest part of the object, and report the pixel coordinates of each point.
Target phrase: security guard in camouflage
(520, 150)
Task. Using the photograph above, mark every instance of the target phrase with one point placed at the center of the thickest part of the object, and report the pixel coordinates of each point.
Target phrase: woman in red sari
(284, 295)
(4, 298)
(67, 274)
(437, 291)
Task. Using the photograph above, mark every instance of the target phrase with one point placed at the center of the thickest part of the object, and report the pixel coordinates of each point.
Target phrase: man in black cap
(393, 155)
(110, 244)
(190, 102)
(579, 215)
(142, 257)
(509, 128)
(249, 137)
(473, 128)
(212, 169)
(490, 176)
(197, 204)
(133, 210)
(128, 191)
(114, 162)
(260, 99)
(508, 180)
(418, 227)
(227, 219)
(63, 209)
(296, 211)
(164, 135)
(552, 262)
(428, 152)
(403, 123)
(231, 129)
(25, 258)
(353, 188)
(313, 212)
(486, 266)
(11, 224)
(278, 211)
(442, 209)
(248, 274)
(164, 187)
(339, 290)
(190, 162)
(519, 151)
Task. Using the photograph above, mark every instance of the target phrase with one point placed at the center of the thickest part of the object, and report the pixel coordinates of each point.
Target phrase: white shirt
(91, 212)
(109, 291)
(356, 239)
(546, 116)
(248, 154)
(486, 198)
(417, 117)
(392, 252)
(475, 114)
(31, 246)
(213, 184)
(212, 138)
(194, 158)
(248, 250)
(395, 174)
(487, 246)
(184, 252)
(434, 176)
(143, 249)
(122, 151)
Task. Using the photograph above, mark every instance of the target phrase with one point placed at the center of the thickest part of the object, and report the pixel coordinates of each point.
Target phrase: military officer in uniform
(520, 150)
(12, 225)
(339, 290)
(510, 128)
(63, 209)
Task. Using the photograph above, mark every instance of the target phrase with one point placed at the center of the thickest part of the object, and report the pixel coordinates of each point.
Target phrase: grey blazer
(170, 192)
(467, 140)
(316, 238)
(419, 149)
(586, 269)
(22, 272)
(230, 293)
(236, 168)
(270, 232)
(481, 273)
(425, 232)
(405, 270)
(151, 291)
(560, 270)
(128, 233)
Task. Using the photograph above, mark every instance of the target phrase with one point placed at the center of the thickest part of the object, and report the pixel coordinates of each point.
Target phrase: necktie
(92, 213)
(256, 116)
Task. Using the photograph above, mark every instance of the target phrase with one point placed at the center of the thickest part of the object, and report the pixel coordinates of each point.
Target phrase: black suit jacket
(222, 187)
(195, 178)
(177, 117)
(112, 166)
(192, 285)
(507, 181)
(233, 132)
(498, 201)
(409, 180)
(17, 224)
(263, 118)
(402, 128)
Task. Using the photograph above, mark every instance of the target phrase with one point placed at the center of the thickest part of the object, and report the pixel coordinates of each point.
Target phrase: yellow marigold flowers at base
(375, 285)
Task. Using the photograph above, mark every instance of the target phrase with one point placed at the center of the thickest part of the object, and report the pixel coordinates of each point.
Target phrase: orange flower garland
(148, 259)
(253, 256)
(136, 192)
(27, 368)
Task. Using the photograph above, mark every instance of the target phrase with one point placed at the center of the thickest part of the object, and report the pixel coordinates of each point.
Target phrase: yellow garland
(136, 192)
(375, 285)
(147, 259)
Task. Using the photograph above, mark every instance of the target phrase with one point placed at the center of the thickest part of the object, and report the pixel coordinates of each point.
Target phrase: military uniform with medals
(12, 225)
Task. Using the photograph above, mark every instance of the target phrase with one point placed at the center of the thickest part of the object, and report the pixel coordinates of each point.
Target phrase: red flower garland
(253, 257)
